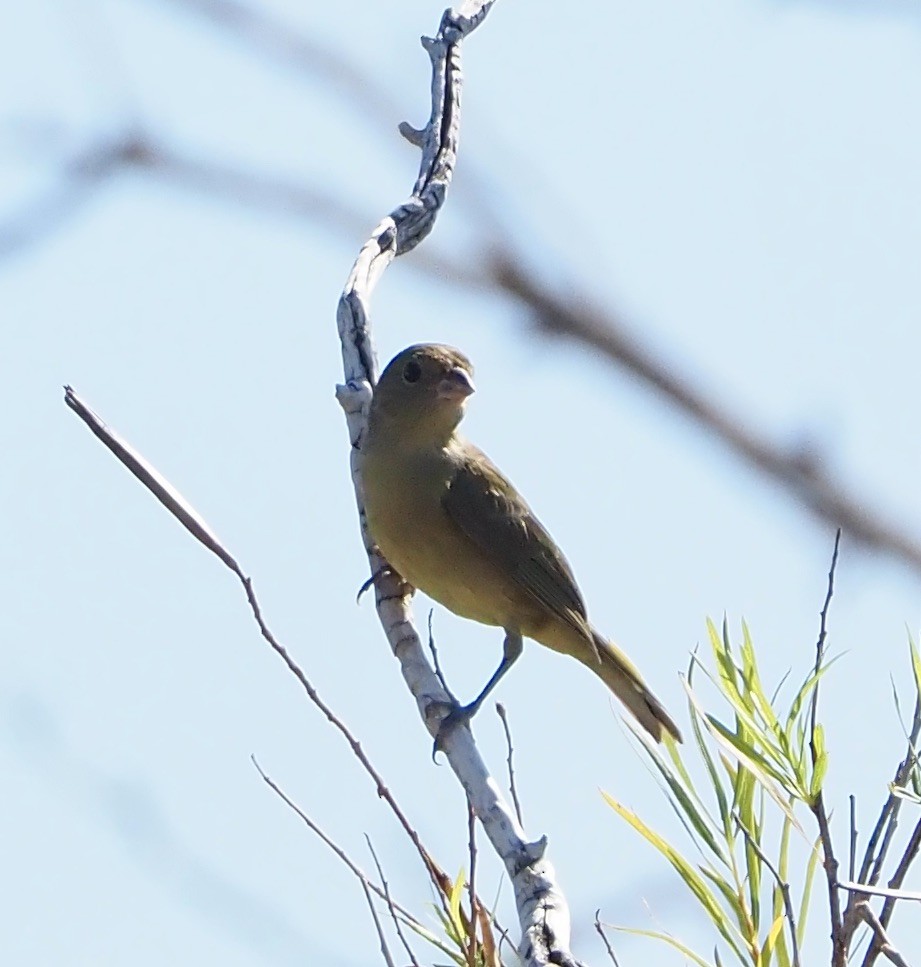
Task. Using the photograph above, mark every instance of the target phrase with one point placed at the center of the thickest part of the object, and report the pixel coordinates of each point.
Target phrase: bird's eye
(412, 371)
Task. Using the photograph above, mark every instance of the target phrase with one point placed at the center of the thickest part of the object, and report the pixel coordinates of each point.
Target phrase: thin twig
(385, 950)
(599, 928)
(881, 940)
(823, 634)
(881, 838)
(186, 514)
(391, 906)
(852, 853)
(433, 651)
(471, 886)
(898, 878)
(871, 868)
(829, 862)
(338, 850)
(542, 910)
(881, 891)
(509, 760)
(784, 889)
(895, 883)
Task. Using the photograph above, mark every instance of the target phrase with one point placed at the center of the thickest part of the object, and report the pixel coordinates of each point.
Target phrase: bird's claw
(406, 590)
(457, 716)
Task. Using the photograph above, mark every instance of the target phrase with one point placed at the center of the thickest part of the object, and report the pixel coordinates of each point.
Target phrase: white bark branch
(542, 909)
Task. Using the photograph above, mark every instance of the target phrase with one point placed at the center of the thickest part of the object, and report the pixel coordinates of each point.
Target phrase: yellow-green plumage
(453, 526)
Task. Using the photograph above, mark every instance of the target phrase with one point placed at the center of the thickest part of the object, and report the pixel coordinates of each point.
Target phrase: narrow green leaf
(749, 756)
(745, 759)
(780, 950)
(753, 682)
(732, 898)
(806, 689)
(764, 958)
(715, 780)
(671, 941)
(725, 666)
(683, 798)
(753, 868)
(915, 665)
(811, 868)
(693, 880)
(821, 762)
(425, 934)
(454, 904)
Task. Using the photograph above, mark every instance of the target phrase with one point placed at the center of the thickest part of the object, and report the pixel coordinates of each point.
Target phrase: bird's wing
(488, 509)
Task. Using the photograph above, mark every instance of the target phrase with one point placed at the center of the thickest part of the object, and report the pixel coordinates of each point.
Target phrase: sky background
(740, 180)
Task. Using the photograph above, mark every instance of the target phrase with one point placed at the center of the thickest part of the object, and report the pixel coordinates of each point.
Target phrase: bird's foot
(457, 716)
(406, 590)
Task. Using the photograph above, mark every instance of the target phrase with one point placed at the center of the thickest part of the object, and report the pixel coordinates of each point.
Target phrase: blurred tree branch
(496, 266)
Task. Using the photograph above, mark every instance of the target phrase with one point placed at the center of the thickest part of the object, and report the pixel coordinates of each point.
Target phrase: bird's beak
(456, 385)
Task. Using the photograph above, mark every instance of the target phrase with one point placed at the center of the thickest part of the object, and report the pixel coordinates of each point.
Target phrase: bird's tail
(618, 673)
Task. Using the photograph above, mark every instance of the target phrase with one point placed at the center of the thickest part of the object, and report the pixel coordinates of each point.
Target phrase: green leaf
(753, 868)
(431, 938)
(699, 818)
(671, 941)
(811, 868)
(752, 759)
(915, 666)
(722, 653)
(732, 898)
(692, 879)
(715, 780)
(821, 762)
(753, 683)
(764, 957)
(454, 909)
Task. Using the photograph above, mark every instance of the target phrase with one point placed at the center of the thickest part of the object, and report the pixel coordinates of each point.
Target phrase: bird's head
(422, 393)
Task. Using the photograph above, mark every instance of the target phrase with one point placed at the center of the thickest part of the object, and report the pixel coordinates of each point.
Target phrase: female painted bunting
(453, 526)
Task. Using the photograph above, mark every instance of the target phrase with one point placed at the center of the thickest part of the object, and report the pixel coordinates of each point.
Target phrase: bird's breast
(406, 516)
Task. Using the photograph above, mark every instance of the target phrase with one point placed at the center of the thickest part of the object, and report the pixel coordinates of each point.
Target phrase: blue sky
(741, 181)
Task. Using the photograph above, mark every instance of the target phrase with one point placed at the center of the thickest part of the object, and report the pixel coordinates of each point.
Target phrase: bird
(448, 521)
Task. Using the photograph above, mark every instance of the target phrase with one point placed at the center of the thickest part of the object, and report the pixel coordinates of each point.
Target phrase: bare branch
(839, 937)
(799, 472)
(385, 950)
(823, 634)
(898, 878)
(338, 850)
(569, 314)
(881, 838)
(599, 928)
(183, 511)
(509, 761)
(153, 480)
(852, 853)
(471, 885)
(542, 910)
(880, 939)
(79, 178)
(391, 906)
(881, 891)
(908, 857)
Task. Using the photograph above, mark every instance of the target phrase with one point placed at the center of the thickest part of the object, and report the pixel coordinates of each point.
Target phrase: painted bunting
(453, 526)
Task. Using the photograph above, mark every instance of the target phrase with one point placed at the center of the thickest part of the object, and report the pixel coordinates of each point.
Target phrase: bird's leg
(460, 714)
